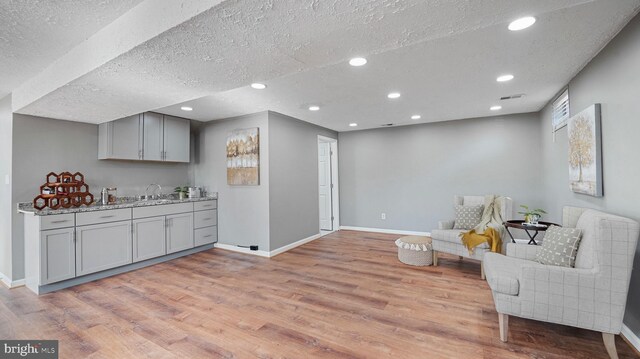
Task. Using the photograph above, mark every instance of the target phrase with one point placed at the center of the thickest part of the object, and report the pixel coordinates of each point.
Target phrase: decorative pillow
(468, 217)
(560, 247)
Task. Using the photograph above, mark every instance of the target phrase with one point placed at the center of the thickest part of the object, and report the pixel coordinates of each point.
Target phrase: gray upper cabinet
(177, 132)
(103, 246)
(57, 257)
(120, 139)
(149, 238)
(179, 232)
(149, 136)
(153, 136)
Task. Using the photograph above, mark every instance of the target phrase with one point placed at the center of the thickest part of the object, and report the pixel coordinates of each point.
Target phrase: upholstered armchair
(592, 295)
(445, 239)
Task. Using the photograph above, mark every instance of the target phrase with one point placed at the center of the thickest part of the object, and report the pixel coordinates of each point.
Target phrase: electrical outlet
(383, 216)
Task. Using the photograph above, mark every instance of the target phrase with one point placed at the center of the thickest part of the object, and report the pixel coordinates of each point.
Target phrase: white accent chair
(593, 295)
(445, 239)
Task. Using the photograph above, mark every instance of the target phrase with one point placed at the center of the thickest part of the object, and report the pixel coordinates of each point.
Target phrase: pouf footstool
(415, 250)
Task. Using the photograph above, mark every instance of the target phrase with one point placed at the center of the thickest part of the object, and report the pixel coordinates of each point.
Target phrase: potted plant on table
(182, 192)
(531, 216)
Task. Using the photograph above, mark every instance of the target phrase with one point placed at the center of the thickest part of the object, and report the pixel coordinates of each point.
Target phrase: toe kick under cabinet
(62, 248)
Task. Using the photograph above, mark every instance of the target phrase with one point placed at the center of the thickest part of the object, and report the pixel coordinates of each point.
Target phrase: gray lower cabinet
(149, 238)
(58, 255)
(179, 232)
(205, 235)
(103, 246)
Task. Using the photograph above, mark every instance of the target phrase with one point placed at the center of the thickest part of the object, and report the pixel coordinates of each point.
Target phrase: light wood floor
(342, 296)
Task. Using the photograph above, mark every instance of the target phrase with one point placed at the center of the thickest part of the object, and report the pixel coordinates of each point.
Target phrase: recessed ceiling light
(495, 108)
(358, 61)
(522, 23)
(416, 117)
(353, 124)
(314, 108)
(394, 95)
(186, 108)
(504, 78)
(258, 86)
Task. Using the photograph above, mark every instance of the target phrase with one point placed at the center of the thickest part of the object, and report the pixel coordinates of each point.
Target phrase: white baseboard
(294, 244)
(234, 248)
(631, 337)
(11, 283)
(383, 230)
(273, 253)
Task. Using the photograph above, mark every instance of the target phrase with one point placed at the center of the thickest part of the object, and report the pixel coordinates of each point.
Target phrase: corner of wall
(6, 179)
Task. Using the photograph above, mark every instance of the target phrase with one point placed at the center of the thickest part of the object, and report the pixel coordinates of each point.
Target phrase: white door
(324, 180)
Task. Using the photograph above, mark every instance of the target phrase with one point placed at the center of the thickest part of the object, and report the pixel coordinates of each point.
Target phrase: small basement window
(560, 110)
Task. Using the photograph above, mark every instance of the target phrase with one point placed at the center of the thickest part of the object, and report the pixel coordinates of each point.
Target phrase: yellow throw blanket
(489, 229)
(490, 236)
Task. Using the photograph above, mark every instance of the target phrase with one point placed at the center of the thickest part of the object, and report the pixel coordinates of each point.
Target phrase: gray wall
(6, 120)
(411, 173)
(42, 145)
(243, 216)
(612, 79)
(293, 180)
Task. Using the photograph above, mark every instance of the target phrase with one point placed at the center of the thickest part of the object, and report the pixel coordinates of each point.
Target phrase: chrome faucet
(158, 189)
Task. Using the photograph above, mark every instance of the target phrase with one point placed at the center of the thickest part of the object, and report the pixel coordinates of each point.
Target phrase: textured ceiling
(443, 56)
(34, 33)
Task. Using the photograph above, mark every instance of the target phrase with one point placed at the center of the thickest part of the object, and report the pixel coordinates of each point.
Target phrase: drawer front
(57, 221)
(162, 210)
(97, 217)
(205, 219)
(205, 205)
(206, 235)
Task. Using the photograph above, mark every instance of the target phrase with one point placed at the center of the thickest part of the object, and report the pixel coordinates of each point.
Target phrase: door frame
(335, 191)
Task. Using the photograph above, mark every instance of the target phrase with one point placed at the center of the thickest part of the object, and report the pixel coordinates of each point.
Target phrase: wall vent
(512, 97)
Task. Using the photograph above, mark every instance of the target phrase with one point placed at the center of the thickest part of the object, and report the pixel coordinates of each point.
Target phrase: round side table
(528, 228)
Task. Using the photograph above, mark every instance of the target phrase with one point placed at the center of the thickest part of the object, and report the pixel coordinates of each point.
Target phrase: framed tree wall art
(243, 157)
(585, 152)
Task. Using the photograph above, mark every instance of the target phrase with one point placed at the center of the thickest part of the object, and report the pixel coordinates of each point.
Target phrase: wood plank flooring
(344, 295)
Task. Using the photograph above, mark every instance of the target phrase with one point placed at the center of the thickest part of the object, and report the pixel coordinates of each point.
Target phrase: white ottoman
(415, 250)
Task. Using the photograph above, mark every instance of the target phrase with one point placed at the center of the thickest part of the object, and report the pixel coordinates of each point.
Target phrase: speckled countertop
(125, 202)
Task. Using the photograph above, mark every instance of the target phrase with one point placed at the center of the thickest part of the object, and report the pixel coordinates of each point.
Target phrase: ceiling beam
(142, 23)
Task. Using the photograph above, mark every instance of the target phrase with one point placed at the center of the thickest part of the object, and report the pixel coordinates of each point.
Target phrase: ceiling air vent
(512, 97)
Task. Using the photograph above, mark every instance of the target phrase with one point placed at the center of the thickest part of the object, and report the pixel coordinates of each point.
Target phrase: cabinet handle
(108, 216)
(207, 236)
(62, 221)
(207, 219)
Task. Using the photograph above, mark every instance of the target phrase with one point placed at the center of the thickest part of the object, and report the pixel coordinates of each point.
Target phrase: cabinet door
(149, 238)
(153, 136)
(103, 246)
(179, 232)
(123, 138)
(177, 133)
(57, 255)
